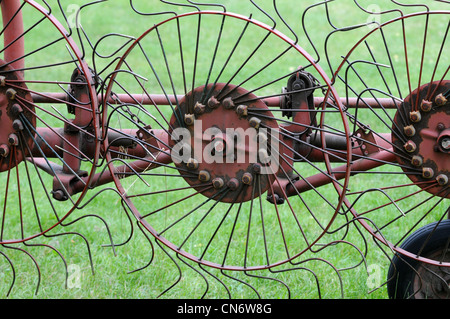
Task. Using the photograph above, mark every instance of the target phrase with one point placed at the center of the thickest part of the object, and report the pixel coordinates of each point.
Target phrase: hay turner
(237, 137)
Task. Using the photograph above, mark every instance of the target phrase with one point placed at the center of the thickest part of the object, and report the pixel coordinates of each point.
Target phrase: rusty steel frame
(71, 140)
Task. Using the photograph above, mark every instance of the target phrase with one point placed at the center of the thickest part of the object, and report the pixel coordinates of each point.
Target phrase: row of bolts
(13, 139)
(254, 122)
(410, 146)
(241, 111)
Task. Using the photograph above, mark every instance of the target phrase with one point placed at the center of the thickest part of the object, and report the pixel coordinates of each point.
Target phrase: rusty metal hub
(14, 110)
(421, 134)
(224, 148)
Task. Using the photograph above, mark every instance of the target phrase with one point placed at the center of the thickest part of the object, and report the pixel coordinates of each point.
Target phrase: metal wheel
(397, 83)
(226, 158)
(47, 112)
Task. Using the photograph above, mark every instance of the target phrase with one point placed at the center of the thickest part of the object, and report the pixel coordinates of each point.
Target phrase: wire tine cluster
(144, 115)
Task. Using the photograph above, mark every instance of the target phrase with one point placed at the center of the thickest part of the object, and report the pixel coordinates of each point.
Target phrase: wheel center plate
(423, 148)
(224, 149)
(14, 110)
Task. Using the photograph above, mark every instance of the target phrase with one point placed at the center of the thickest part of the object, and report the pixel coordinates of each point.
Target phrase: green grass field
(334, 272)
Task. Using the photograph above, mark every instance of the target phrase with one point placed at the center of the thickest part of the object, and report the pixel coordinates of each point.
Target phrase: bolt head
(442, 179)
(262, 138)
(427, 172)
(410, 146)
(192, 163)
(17, 125)
(426, 106)
(204, 176)
(242, 110)
(409, 130)
(417, 160)
(233, 184)
(11, 93)
(256, 168)
(415, 116)
(189, 119)
(199, 108)
(228, 103)
(440, 99)
(440, 127)
(13, 139)
(16, 109)
(247, 178)
(213, 103)
(219, 146)
(254, 122)
(263, 155)
(218, 182)
(4, 150)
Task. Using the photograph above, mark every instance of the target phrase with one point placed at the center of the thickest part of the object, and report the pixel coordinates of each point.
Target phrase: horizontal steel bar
(161, 99)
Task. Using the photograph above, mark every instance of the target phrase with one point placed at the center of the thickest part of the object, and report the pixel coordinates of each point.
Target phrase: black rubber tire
(403, 269)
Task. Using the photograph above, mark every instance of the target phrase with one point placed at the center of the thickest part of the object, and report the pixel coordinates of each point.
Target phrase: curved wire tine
(378, 12)
(337, 271)
(88, 247)
(208, 4)
(345, 242)
(176, 264)
(376, 190)
(265, 13)
(57, 252)
(251, 274)
(130, 236)
(198, 272)
(32, 259)
(240, 281)
(13, 273)
(164, 12)
(138, 223)
(217, 279)
(78, 26)
(285, 23)
(308, 270)
(102, 220)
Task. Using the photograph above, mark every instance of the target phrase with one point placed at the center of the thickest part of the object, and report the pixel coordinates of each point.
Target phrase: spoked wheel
(222, 152)
(398, 75)
(47, 110)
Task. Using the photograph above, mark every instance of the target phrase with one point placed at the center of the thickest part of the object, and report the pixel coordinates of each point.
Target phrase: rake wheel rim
(330, 92)
(83, 67)
(365, 222)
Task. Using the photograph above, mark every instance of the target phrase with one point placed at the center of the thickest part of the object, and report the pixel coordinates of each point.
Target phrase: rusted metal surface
(322, 139)
(225, 145)
(428, 143)
(13, 109)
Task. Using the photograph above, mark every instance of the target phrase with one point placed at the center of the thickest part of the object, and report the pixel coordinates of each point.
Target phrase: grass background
(111, 279)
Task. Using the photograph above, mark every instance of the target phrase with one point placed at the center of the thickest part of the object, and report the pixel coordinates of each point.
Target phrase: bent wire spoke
(250, 164)
(217, 223)
(39, 106)
(410, 69)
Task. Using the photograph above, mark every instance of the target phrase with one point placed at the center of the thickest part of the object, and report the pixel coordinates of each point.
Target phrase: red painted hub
(226, 147)
(423, 139)
(14, 108)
